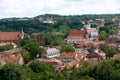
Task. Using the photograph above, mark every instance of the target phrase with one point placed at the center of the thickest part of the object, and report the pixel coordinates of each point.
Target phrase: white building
(92, 32)
(51, 53)
(48, 21)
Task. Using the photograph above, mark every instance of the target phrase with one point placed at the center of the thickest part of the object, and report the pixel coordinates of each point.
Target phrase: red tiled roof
(68, 54)
(10, 35)
(77, 34)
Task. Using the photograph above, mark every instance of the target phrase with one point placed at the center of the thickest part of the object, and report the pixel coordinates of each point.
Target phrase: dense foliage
(108, 50)
(12, 72)
(61, 22)
(107, 70)
(4, 48)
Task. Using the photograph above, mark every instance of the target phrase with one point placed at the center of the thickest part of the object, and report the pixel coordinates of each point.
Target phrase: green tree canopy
(86, 78)
(7, 47)
(26, 55)
(34, 49)
(67, 48)
(11, 71)
(103, 35)
(110, 52)
(37, 67)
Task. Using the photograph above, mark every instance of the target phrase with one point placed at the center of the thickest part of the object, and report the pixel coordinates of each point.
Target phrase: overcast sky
(31, 8)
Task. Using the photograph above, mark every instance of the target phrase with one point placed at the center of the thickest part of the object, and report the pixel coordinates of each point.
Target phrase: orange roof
(68, 54)
(10, 35)
(77, 34)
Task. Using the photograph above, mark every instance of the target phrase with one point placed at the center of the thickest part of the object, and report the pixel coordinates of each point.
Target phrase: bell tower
(22, 34)
(87, 25)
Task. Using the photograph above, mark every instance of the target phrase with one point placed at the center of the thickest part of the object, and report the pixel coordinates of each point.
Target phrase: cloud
(73, 0)
(30, 8)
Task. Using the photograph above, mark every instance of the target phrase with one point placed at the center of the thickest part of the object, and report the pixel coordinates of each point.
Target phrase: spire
(22, 34)
(87, 25)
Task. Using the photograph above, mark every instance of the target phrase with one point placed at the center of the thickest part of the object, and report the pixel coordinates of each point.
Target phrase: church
(11, 38)
(84, 35)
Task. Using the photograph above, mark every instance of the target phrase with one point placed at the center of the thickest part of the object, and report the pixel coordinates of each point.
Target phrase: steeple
(22, 34)
(87, 25)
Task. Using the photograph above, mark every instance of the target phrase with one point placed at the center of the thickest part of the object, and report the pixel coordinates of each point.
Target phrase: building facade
(51, 53)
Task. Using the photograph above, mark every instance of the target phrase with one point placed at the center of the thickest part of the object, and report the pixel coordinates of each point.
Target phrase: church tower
(87, 25)
(22, 34)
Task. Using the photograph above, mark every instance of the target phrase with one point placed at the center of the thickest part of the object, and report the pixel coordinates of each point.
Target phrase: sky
(32, 8)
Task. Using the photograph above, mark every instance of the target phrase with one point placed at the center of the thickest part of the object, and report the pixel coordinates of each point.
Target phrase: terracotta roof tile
(68, 54)
(77, 34)
(10, 35)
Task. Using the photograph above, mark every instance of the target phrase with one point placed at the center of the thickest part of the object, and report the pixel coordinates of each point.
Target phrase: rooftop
(10, 35)
(77, 34)
(68, 54)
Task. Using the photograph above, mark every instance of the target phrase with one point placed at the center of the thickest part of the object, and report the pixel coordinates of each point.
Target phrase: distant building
(92, 58)
(40, 39)
(82, 46)
(48, 21)
(13, 56)
(87, 25)
(84, 35)
(116, 20)
(51, 53)
(13, 38)
(67, 57)
(100, 22)
(92, 32)
(77, 36)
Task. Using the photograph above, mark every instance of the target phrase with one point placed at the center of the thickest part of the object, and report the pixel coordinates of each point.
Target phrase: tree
(91, 49)
(67, 48)
(111, 52)
(26, 56)
(25, 41)
(104, 47)
(103, 35)
(37, 67)
(57, 41)
(7, 47)
(107, 70)
(11, 71)
(86, 78)
(34, 49)
(42, 71)
(48, 39)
